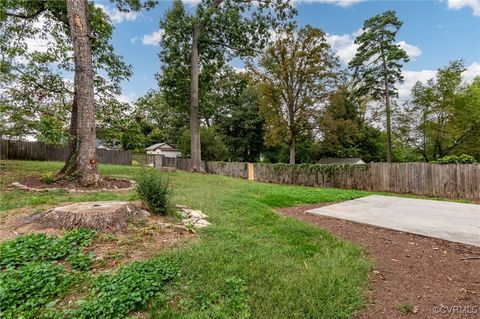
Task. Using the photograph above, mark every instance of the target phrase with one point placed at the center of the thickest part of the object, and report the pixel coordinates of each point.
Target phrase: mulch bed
(430, 274)
(35, 181)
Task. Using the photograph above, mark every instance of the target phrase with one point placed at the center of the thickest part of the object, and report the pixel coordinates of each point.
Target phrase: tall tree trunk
(387, 108)
(292, 150)
(82, 165)
(72, 139)
(195, 149)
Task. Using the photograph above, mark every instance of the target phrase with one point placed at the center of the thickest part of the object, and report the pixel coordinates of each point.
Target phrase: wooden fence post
(250, 172)
(158, 161)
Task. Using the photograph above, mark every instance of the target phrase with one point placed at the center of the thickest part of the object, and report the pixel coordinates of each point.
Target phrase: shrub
(48, 178)
(456, 159)
(153, 190)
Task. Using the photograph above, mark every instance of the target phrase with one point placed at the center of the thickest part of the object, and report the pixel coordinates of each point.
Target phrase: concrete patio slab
(445, 220)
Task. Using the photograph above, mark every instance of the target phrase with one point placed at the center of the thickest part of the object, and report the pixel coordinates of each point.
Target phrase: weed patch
(40, 247)
(129, 288)
(24, 291)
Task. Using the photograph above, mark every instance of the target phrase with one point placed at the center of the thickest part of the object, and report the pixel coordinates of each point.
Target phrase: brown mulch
(409, 269)
(35, 181)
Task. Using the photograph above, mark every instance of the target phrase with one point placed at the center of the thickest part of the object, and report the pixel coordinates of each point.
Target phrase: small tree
(295, 76)
(378, 62)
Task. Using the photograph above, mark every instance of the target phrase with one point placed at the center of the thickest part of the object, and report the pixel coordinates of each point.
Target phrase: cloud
(127, 98)
(36, 43)
(341, 3)
(472, 71)
(118, 16)
(412, 51)
(134, 39)
(191, 2)
(412, 77)
(459, 4)
(344, 46)
(239, 69)
(153, 38)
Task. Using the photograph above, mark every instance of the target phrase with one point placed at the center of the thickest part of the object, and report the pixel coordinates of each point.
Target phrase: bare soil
(142, 239)
(35, 181)
(423, 274)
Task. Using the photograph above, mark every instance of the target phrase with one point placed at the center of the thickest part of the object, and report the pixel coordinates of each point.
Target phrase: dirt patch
(36, 182)
(141, 241)
(414, 276)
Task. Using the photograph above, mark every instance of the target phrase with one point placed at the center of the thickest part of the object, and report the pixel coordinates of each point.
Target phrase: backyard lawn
(250, 263)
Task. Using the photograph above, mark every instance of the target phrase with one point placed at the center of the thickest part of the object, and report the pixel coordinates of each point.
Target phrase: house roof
(165, 146)
(335, 160)
(101, 144)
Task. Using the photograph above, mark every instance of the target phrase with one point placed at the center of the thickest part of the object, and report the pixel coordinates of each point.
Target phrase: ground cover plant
(250, 263)
(32, 282)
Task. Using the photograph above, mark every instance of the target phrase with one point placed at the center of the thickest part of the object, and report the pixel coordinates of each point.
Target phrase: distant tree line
(293, 102)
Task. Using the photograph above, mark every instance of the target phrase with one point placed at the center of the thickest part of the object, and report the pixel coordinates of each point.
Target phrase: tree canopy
(443, 117)
(295, 75)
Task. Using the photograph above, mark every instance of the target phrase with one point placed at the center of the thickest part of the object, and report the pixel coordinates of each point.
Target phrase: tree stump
(100, 216)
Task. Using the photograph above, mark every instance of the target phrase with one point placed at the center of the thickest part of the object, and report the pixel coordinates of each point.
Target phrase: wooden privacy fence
(38, 151)
(459, 181)
(451, 181)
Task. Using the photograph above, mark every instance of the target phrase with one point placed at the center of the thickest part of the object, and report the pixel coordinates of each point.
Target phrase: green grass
(251, 262)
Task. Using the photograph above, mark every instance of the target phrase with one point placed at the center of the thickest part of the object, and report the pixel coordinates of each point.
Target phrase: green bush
(153, 190)
(456, 159)
(48, 178)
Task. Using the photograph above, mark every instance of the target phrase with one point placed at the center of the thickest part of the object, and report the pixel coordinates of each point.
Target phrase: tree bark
(292, 150)
(195, 149)
(387, 109)
(195, 144)
(82, 165)
(72, 139)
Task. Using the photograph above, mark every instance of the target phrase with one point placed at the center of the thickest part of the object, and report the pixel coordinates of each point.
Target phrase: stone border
(73, 190)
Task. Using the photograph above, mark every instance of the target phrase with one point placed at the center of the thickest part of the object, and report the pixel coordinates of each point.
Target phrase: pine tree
(377, 65)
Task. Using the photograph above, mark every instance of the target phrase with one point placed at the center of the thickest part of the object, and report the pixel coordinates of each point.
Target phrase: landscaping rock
(196, 214)
(201, 223)
(192, 217)
(189, 221)
(145, 213)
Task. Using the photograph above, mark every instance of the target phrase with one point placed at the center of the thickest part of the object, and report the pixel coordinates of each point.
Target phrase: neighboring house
(102, 145)
(334, 160)
(166, 149)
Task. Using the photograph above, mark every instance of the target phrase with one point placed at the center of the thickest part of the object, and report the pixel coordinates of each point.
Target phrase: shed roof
(166, 146)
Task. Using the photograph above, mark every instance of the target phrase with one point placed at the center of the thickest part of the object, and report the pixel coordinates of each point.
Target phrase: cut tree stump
(101, 216)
